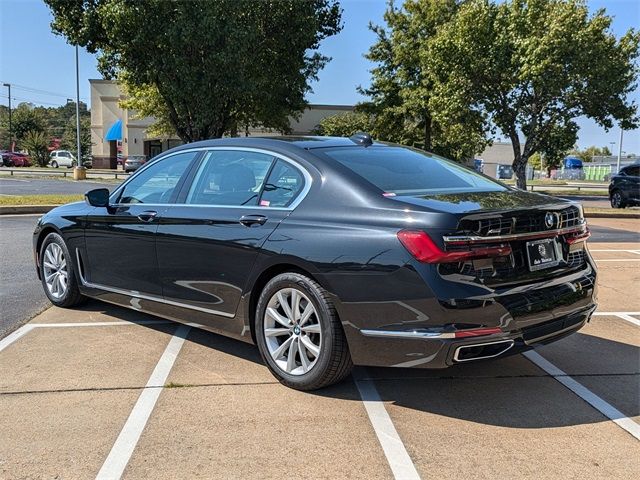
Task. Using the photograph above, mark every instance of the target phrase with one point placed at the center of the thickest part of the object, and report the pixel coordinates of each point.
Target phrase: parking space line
(618, 260)
(612, 250)
(629, 318)
(614, 314)
(401, 464)
(12, 337)
(126, 442)
(587, 395)
(101, 324)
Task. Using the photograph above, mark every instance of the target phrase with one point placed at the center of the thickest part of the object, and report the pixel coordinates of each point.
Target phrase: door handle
(147, 216)
(250, 220)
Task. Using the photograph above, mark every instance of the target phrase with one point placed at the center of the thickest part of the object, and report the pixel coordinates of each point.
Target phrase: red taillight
(580, 237)
(425, 250)
(477, 332)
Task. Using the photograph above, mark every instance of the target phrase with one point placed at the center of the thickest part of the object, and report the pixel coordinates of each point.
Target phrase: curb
(25, 209)
(611, 215)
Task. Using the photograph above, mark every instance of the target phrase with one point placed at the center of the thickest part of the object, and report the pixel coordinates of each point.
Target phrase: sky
(41, 65)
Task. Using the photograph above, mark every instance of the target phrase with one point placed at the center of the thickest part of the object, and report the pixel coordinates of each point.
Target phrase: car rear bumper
(421, 352)
(422, 333)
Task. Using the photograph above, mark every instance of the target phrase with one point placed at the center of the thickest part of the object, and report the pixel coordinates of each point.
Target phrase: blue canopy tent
(115, 132)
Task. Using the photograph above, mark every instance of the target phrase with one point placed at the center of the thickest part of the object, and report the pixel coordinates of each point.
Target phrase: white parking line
(100, 324)
(618, 260)
(611, 250)
(22, 331)
(614, 314)
(587, 395)
(126, 442)
(401, 464)
(623, 315)
(630, 319)
(12, 337)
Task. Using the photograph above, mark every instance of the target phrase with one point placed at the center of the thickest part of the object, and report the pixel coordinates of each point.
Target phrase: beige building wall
(105, 111)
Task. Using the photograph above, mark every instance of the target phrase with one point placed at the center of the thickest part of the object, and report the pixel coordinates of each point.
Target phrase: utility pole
(79, 157)
(619, 151)
(8, 85)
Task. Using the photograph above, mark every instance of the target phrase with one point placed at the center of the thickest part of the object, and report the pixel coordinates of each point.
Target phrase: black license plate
(542, 254)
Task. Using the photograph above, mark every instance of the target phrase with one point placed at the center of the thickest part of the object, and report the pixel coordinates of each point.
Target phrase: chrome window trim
(515, 236)
(143, 296)
(308, 179)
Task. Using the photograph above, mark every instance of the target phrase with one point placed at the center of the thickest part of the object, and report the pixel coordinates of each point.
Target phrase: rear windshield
(408, 172)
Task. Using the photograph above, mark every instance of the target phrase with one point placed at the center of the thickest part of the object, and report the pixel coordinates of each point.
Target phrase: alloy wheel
(616, 200)
(292, 331)
(56, 275)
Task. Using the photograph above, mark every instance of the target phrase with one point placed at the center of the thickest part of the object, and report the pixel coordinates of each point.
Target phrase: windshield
(402, 171)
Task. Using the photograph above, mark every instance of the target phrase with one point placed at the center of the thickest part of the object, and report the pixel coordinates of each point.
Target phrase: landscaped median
(26, 204)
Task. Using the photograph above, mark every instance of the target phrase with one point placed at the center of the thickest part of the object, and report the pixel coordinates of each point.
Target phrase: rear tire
(316, 353)
(57, 272)
(617, 200)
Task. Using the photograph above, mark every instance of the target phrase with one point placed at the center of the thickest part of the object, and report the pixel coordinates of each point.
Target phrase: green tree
(345, 124)
(68, 140)
(400, 95)
(588, 153)
(532, 66)
(209, 65)
(24, 118)
(37, 144)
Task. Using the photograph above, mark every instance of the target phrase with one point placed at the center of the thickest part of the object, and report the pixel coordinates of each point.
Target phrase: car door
(207, 244)
(120, 240)
(631, 182)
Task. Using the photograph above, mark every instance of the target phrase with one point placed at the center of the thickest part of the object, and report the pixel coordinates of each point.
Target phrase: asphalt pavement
(40, 186)
(21, 295)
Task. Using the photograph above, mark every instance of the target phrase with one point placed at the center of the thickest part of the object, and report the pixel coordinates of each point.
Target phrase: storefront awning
(114, 132)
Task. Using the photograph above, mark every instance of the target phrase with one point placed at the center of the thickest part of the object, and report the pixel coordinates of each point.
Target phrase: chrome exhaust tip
(480, 351)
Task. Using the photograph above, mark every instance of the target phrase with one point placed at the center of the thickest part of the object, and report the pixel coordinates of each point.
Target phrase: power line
(40, 91)
(30, 100)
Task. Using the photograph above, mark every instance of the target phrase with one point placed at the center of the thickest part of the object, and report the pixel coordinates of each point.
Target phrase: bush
(37, 144)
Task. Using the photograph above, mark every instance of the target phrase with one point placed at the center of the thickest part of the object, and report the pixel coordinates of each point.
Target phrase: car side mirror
(98, 197)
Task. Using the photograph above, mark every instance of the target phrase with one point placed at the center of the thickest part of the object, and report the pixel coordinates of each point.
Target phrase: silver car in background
(133, 162)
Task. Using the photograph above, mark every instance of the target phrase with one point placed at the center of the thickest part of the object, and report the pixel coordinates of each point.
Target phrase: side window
(157, 183)
(632, 171)
(229, 177)
(283, 186)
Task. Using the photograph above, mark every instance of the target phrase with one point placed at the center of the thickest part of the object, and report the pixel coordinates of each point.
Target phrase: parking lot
(106, 392)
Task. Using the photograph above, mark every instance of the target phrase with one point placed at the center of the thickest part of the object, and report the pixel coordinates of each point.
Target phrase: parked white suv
(62, 158)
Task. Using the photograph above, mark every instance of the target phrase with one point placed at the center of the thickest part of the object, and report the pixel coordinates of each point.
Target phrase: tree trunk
(520, 170)
(427, 132)
(519, 164)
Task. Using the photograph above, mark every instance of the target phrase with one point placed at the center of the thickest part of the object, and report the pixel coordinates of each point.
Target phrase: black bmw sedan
(327, 252)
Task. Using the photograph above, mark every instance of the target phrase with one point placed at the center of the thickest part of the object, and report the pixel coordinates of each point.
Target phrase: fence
(63, 172)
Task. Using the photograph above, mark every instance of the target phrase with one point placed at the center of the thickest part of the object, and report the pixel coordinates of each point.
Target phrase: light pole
(8, 85)
(619, 151)
(78, 109)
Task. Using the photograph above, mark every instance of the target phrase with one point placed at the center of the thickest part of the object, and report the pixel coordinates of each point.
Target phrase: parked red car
(15, 159)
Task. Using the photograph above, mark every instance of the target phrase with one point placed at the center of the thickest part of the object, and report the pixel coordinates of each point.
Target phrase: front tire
(57, 273)
(617, 201)
(54, 164)
(299, 334)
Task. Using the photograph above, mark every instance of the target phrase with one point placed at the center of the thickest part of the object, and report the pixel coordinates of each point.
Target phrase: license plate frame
(542, 254)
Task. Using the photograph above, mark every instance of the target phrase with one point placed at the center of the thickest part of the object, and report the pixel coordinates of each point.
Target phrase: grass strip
(11, 200)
